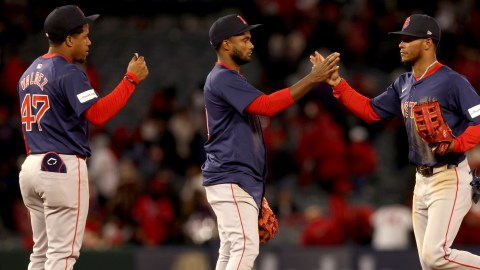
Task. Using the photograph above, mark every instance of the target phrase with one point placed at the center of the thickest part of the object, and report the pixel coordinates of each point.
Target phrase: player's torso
(49, 112)
(235, 140)
(434, 87)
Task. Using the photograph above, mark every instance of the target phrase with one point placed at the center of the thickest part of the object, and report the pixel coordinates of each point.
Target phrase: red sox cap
(422, 26)
(228, 26)
(64, 19)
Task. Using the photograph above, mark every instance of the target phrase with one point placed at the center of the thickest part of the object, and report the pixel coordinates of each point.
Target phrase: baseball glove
(432, 127)
(475, 186)
(267, 223)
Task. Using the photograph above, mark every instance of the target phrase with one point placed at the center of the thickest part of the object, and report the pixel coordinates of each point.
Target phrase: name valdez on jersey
(34, 78)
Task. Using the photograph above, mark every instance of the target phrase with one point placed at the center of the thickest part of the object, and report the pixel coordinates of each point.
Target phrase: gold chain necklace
(426, 70)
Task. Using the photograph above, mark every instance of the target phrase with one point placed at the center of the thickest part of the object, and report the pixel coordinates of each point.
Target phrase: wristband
(130, 80)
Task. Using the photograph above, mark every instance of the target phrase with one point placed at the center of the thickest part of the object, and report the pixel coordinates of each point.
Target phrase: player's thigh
(237, 214)
(28, 179)
(449, 205)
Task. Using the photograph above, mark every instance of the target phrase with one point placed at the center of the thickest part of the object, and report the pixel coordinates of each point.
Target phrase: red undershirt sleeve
(269, 105)
(107, 107)
(355, 102)
(467, 140)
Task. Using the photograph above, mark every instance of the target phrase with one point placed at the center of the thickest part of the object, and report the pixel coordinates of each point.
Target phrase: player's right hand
(138, 66)
(323, 68)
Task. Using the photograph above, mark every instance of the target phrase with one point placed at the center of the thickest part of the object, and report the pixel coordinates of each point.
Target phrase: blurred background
(341, 188)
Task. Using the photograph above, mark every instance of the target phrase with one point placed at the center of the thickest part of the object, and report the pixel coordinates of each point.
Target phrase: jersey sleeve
(79, 92)
(387, 104)
(237, 91)
(465, 99)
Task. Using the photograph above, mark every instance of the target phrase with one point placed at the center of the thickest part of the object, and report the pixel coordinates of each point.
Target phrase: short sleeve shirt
(53, 94)
(459, 102)
(235, 149)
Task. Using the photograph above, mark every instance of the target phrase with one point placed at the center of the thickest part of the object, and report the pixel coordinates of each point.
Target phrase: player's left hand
(323, 68)
(475, 186)
(267, 223)
(443, 148)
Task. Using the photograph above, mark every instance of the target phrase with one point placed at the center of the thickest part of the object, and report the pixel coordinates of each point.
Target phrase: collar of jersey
(50, 55)
(227, 67)
(431, 71)
(223, 64)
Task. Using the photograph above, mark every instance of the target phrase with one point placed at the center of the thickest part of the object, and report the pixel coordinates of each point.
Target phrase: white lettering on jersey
(87, 95)
(474, 111)
(36, 78)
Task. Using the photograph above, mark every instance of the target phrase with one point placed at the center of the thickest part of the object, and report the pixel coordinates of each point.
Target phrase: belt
(428, 171)
(78, 156)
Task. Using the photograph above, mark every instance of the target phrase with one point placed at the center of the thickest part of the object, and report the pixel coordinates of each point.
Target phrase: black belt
(78, 156)
(429, 171)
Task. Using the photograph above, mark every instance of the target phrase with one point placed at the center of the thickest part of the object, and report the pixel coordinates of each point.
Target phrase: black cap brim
(405, 34)
(91, 18)
(436, 41)
(248, 28)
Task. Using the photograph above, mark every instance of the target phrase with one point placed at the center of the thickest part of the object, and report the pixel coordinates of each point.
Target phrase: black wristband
(130, 80)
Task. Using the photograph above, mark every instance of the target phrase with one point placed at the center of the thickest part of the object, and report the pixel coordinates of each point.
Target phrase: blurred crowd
(332, 179)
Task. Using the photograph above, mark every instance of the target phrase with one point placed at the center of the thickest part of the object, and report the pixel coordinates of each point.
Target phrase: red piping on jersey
(431, 71)
(469, 138)
(445, 255)
(270, 105)
(355, 102)
(241, 222)
(223, 64)
(50, 55)
(227, 67)
(107, 107)
(78, 214)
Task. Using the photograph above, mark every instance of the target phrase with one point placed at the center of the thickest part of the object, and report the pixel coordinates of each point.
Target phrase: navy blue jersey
(235, 150)
(53, 95)
(459, 102)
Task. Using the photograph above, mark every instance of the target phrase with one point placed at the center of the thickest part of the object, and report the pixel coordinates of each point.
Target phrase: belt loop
(425, 170)
(81, 157)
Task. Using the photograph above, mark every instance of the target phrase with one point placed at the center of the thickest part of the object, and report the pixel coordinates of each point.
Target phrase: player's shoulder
(451, 76)
(447, 72)
(221, 75)
(59, 66)
(221, 71)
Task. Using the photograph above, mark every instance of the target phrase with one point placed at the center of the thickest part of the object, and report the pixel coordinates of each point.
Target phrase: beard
(410, 62)
(238, 59)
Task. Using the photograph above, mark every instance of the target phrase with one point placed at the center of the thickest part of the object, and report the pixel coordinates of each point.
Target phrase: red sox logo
(51, 161)
(407, 23)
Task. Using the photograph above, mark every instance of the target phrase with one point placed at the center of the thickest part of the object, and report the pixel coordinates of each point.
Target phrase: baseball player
(57, 102)
(442, 194)
(234, 171)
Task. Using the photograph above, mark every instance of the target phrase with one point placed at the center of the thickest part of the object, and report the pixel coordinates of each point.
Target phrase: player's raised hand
(138, 66)
(316, 58)
(334, 79)
(323, 68)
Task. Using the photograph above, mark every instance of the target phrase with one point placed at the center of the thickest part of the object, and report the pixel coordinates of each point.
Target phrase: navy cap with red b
(228, 26)
(421, 26)
(64, 19)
